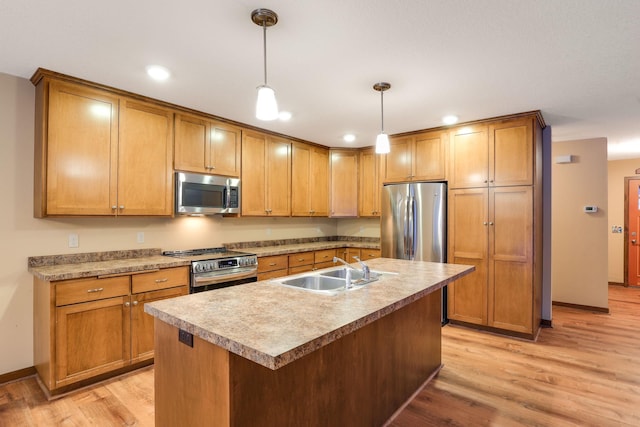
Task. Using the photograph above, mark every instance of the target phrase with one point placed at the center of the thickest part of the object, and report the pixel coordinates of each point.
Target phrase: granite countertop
(74, 266)
(274, 325)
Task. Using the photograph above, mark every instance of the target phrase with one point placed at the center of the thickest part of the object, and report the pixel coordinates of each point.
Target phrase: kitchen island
(266, 354)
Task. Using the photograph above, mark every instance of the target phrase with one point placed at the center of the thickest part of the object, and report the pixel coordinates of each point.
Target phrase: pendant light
(266, 106)
(382, 140)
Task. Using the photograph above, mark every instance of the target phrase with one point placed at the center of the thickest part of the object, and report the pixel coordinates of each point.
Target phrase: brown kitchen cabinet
(203, 145)
(495, 225)
(87, 152)
(301, 262)
(93, 327)
(270, 267)
(370, 183)
(344, 183)
(266, 175)
(417, 157)
(323, 258)
(495, 154)
(309, 180)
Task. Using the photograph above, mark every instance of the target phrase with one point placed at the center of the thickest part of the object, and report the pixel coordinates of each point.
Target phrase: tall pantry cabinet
(495, 224)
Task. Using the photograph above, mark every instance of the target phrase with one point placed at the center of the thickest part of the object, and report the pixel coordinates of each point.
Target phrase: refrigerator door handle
(405, 249)
(411, 208)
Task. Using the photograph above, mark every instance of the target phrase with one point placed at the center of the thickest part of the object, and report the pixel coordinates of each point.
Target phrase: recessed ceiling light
(449, 120)
(158, 72)
(284, 116)
(349, 137)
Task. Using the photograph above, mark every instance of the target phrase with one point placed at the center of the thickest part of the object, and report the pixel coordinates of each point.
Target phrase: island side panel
(191, 383)
(358, 380)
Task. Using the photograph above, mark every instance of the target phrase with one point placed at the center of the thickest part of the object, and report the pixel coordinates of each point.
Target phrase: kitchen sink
(329, 282)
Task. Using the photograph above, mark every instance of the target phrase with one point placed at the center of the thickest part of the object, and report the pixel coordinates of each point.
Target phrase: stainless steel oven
(215, 268)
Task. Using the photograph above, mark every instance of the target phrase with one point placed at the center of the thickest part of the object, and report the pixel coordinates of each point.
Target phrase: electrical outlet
(73, 240)
(140, 237)
(616, 229)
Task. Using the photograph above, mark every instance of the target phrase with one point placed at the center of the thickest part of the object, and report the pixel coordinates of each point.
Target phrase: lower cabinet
(84, 328)
(270, 267)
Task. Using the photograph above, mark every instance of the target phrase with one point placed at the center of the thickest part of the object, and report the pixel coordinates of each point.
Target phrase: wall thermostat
(590, 209)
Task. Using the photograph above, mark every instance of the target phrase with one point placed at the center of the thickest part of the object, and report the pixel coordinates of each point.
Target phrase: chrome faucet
(347, 283)
(366, 272)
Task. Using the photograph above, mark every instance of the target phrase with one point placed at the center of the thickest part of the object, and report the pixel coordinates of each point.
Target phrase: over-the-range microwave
(200, 194)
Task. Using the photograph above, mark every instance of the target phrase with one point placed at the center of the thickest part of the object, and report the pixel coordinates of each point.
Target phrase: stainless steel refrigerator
(414, 223)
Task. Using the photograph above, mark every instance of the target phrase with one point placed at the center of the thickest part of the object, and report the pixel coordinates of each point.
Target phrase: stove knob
(209, 267)
(199, 268)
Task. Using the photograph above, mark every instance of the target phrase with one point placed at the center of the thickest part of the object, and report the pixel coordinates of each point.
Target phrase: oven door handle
(221, 278)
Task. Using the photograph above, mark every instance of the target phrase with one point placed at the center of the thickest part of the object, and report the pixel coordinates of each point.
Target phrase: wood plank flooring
(585, 371)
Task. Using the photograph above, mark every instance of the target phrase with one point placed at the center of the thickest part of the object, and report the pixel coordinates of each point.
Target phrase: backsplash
(302, 240)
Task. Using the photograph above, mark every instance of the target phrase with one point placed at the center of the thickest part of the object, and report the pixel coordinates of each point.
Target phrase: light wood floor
(585, 371)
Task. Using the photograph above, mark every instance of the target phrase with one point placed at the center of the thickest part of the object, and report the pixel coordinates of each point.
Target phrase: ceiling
(575, 60)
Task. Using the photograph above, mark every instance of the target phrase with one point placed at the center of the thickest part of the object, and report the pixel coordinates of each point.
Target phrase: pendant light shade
(266, 105)
(382, 141)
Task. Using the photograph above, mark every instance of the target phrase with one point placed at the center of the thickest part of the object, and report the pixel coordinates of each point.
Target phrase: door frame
(626, 226)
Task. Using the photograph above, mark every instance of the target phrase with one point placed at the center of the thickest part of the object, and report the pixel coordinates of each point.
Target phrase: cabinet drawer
(301, 269)
(272, 274)
(302, 258)
(163, 279)
(271, 263)
(369, 254)
(83, 290)
(326, 264)
(324, 256)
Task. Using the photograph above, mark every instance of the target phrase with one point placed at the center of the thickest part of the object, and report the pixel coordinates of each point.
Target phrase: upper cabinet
(370, 183)
(87, 153)
(498, 154)
(266, 175)
(344, 183)
(206, 146)
(310, 180)
(417, 157)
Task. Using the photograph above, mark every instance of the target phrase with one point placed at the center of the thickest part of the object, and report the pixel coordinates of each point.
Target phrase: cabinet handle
(484, 223)
(161, 280)
(490, 223)
(121, 206)
(272, 264)
(127, 304)
(114, 207)
(135, 303)
(300, 259)
(95, 290)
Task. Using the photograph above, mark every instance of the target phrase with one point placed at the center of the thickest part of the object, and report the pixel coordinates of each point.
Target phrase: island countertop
(274, 325)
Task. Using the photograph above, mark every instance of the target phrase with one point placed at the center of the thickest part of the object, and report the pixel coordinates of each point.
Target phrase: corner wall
(579, 240)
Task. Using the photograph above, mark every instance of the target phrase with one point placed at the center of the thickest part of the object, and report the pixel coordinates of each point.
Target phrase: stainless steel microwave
(200, 194)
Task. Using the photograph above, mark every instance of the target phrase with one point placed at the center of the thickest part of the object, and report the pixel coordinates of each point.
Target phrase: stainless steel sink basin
(355, 274)
(315, 283)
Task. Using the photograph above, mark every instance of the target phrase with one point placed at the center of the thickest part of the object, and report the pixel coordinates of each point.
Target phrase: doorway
(632, 231)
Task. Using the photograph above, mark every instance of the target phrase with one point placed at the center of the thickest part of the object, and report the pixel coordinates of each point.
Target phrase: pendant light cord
(382, 110)
(264, 49)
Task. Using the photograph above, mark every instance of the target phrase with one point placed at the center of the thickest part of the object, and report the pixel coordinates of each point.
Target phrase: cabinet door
(142, 323)
(91, 338)
(300, 180)
(468, 244)
(511, 258)
(344, 183)
(398, 160)
(191, 142)
(81, 148)
(469, 157)
(253, 174)
(511, 153)
(429, 155)
(145, 160)
(278, 177)
(319, 181)
(369, 184)
(223, 156)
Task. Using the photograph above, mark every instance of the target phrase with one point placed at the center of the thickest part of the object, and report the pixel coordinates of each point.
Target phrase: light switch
(140, 237)
(73, 240)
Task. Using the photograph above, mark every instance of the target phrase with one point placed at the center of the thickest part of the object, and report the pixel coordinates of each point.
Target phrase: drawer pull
(300, 259)
(127, 304)
(161, 280)
(272, 264)
(135, 303)
(95, 290)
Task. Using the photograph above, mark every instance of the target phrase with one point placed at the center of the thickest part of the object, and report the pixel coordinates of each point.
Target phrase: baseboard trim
(616, 284)
(17, 375)
(582, 307)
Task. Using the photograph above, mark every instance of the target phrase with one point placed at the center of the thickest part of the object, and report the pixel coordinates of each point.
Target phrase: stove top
(216, 260)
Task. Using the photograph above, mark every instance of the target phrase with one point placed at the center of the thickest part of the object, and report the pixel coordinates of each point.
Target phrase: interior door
(633, 253)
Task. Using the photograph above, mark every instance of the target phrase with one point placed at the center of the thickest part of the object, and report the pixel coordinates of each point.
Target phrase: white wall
(618, 170)
(24, 236)
(579, 240)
